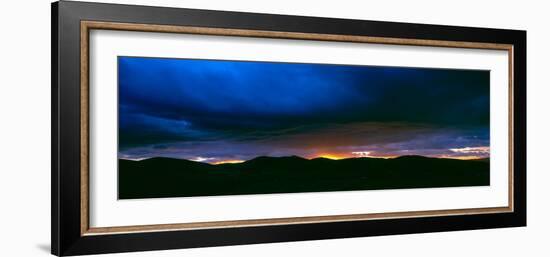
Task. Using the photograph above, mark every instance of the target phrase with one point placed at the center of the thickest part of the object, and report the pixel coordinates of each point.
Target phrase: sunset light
(333, 156)
(227, 161)
(463, 157)
(205, 127)
(331, 111)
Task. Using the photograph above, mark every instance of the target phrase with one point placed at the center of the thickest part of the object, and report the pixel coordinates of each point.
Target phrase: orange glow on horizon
(469, 157)
(332, 156)
(340, 156)
(227, 161)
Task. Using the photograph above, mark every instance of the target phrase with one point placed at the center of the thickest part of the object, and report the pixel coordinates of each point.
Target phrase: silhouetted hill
(482, 160)
(267, 161)
(166, 177)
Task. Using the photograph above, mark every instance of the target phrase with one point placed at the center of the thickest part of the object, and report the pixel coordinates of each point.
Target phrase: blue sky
(216, 111)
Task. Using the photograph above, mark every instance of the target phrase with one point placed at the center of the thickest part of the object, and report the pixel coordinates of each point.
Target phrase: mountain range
(166, 177)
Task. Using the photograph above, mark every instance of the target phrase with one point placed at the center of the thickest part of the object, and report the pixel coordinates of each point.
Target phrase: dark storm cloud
(345, 140)
(173, 102)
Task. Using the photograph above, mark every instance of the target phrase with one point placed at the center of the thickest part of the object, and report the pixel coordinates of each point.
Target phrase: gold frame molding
(86, 26)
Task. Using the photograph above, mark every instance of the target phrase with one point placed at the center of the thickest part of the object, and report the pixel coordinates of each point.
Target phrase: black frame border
(66, 236)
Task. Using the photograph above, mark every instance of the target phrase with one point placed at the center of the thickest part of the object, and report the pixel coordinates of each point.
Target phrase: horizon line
(318, 157)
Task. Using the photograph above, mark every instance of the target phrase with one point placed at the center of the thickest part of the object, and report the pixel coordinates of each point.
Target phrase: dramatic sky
(223, 111)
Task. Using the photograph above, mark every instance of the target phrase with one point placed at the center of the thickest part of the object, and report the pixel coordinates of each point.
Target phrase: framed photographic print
(177, 128)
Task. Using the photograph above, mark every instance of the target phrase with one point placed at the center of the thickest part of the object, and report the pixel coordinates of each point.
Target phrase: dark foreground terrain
(165, 177)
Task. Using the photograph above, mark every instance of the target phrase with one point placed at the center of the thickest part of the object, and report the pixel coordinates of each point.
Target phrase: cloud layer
(223, 110)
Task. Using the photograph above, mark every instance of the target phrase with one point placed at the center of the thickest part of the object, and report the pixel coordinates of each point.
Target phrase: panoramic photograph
(196, 127)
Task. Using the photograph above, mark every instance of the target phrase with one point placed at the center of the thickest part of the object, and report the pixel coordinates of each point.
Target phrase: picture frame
(72, 132)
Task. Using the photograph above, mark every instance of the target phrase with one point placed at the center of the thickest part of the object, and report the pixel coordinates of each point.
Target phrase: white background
(25, 128)
(106, 210)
